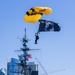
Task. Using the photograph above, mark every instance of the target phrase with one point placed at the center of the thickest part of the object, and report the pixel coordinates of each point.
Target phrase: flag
(29, 56)
(46, 25)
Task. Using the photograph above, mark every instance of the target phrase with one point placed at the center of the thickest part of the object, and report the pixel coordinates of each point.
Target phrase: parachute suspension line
(41, 66)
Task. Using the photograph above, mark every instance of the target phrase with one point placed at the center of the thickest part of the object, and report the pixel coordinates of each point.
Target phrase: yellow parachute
(35, 13)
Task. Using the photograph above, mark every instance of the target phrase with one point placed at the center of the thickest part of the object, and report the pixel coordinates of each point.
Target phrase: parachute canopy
(35, 13)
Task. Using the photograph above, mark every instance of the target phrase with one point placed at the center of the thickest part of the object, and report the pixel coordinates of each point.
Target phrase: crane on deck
(42, 66)
(45, 70)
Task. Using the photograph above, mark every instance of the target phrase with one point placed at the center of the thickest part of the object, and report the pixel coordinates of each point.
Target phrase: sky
(57, 48)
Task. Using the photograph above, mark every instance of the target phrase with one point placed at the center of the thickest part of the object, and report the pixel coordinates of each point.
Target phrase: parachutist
(36, 38)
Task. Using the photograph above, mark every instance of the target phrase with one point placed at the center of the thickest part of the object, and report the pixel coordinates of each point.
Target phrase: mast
(23, 57)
